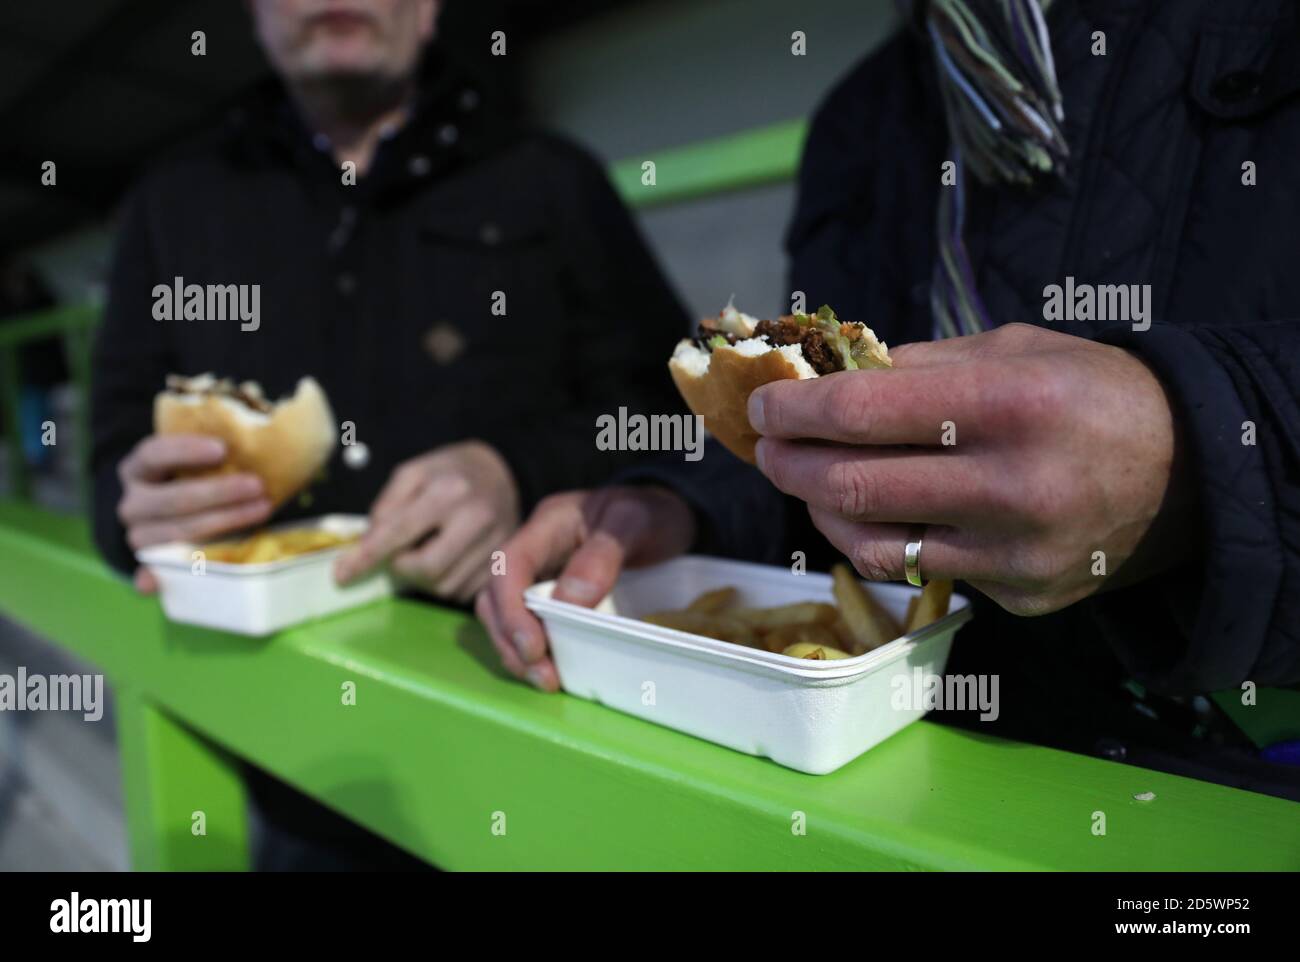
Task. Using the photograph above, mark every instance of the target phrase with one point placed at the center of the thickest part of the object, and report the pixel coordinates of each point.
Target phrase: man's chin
(352, 78)
(342, 68)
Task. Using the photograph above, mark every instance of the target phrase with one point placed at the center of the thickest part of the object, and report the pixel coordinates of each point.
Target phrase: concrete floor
(60, 781)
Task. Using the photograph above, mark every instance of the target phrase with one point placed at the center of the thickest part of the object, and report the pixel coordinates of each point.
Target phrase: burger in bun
(734, 353)
(284, 443)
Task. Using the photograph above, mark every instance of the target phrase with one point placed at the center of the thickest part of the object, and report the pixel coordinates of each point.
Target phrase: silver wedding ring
(912, 560)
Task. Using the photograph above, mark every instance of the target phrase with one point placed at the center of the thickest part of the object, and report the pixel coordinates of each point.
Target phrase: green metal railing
(447, 756)
(750, 158)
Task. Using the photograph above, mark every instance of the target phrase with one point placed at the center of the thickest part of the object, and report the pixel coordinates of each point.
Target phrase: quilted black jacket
(1160, 127)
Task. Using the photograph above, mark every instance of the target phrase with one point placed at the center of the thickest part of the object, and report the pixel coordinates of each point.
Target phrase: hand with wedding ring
(1020, 453)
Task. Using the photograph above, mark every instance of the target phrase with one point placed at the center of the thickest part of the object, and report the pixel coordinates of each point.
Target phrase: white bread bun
(716, 384)
(285, 444)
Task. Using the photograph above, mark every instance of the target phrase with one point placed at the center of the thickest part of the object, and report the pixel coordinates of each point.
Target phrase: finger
(144, 501)
(904, 406)
(509, 656)
(620, 529)
(160, 455)
(543, 676)
(876, 550)
(403, 486)
(395, 532)
(199, 527)
(534, 553)
(430, 561)
(145, 582)
(879, 484)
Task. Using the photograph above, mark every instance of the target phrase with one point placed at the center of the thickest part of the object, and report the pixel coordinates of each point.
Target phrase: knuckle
(407, 471)
(870, 562)
(856, 492)
(848, 406)
(1016, 334)
(453, 486)
(478, 515)
(1034, 567)
(1036, 392)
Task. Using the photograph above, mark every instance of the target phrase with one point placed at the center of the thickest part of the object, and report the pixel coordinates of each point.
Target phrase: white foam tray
(813, 716)
(260, 599)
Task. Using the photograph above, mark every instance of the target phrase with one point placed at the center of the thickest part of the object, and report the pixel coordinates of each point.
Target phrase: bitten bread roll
(735, 353)
(285, 443)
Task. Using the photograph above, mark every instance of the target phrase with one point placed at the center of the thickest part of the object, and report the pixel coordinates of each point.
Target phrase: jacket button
(448, 134)
(419, 165)
(1237, 86)
(468, 99)
(489, 233)
(346, 283)
(356, 456)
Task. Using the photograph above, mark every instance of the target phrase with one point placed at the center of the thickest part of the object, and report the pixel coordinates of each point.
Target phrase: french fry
(815, 652)
(711, 602)
(911, 612)
(931, 605)
(869, 623)
(809, 633)
(274, 545)
(765, 619)
(710, 626)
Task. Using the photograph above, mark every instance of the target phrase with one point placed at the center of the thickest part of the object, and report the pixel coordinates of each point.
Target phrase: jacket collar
(449, 125)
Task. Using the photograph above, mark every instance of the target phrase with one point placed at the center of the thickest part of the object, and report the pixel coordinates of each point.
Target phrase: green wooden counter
(441, 748)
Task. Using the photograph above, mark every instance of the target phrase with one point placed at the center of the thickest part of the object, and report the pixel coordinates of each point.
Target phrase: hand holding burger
(221, 458)
(1064, 447)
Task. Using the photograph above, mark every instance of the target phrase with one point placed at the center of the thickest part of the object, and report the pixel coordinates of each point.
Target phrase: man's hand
(586, 538)
(1063, 448)
(157, 507)
(438, 520)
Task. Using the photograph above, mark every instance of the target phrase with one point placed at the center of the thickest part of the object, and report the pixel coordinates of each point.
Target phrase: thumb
(621, 530)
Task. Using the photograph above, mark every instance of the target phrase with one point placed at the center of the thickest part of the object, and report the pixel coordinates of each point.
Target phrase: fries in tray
(855, 624)
(266, 546)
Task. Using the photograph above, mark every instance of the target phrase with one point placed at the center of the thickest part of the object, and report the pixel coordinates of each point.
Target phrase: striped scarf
(1003, 108)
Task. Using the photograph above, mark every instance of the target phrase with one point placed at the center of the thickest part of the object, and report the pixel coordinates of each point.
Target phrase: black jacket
(1159, 127)
(384, 292)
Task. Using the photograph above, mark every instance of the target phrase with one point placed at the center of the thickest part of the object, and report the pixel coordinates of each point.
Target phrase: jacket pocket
(1244, 70)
